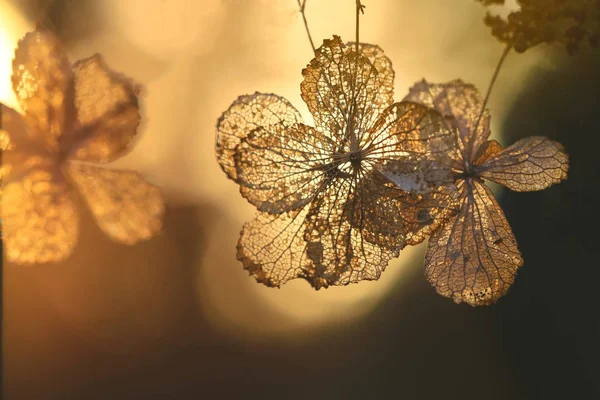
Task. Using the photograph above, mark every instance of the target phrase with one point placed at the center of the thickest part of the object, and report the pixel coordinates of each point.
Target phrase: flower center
(355, 159)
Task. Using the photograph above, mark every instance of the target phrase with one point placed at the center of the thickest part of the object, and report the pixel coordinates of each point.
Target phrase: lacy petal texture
(329, 211)
(73, 115)
(474, 257)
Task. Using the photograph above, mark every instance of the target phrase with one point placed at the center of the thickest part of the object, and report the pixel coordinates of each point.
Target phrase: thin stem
(1, 276)
(489, 90)
(302, 6)
(359, 9)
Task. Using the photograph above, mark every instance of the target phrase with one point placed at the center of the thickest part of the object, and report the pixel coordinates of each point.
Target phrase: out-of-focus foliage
(327, 213)
(72, 116)
(568, 22)
(474, 257)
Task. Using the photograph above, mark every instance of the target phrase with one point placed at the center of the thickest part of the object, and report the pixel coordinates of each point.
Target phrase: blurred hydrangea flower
(328, 212)
(568, 22)
(474, 256)
(73, 115)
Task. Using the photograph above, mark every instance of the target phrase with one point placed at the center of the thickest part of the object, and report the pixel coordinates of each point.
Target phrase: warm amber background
(178, 318)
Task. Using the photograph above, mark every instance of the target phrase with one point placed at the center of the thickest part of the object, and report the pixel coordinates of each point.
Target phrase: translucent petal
(487, 151)
(281, 169)
(127, 208)
(352, 228)
(343, 92)
(462, 105)
(419, 168)
(107, 112)
(40, 221)
(317, 242)
(393, 217)
(530, 164)
(22, 136)
(272, 247)
(418, 177)
(338, 233)
(379, 218)
(424, 214)
(385, 72)
(409, 132)
(246, 114)
(41, 80)
(474, 257)
(23, 148)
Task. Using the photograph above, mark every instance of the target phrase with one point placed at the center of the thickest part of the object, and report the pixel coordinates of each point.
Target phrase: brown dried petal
(487, 151)
(474, 257)
(425, 214)
(380, 219)
(107, 111)
(530, 164)
(394, 218)
(272, 247)
(281, 169)
(368, 260)
(246, 114)
(24, 149)
(41, 80)
(127, 208)
(419, 176)
(385, 72)
(40, 221)
(343, 92)
(409, 132)
(461, 103)
(23, 137)
(337, 234)
(317, 242)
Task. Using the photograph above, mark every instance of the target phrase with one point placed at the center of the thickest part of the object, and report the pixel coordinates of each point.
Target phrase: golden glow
(13, 27)
(165, 28)
(240, 306)
(262, 46)
(194, 58)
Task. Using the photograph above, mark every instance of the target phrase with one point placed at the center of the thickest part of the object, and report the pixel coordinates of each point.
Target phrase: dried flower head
(327, 213)
(474, 256)
(73, 116)
(568, 22)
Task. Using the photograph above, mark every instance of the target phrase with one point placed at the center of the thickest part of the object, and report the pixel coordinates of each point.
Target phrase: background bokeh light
(13, 25)
(177, 316)
(194, 60)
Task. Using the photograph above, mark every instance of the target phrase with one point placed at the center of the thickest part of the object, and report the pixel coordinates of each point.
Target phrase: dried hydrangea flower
(568, 22)
(73, 116)
(327, 214)
(474, 256)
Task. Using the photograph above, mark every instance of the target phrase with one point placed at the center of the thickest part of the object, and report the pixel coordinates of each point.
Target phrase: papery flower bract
(474, 256)
(568, 22)
(73, 116)
(327, 214)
